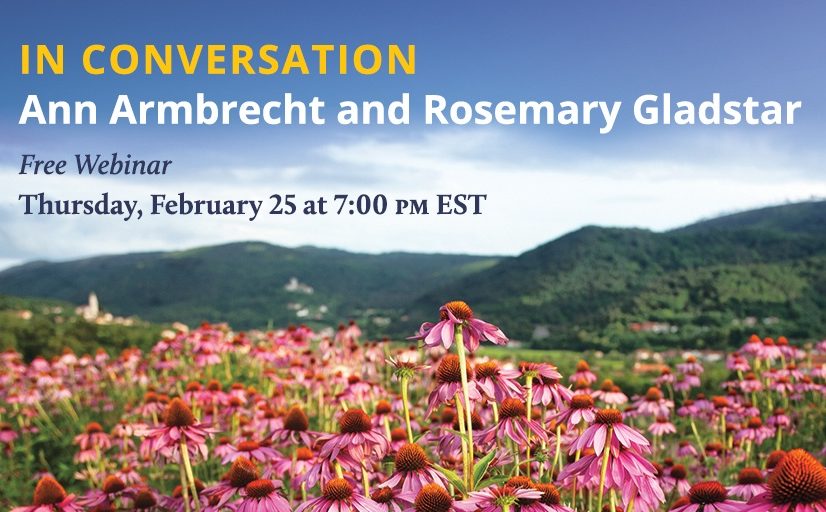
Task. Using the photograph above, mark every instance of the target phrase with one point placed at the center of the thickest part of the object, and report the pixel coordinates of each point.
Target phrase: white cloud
(533, 196)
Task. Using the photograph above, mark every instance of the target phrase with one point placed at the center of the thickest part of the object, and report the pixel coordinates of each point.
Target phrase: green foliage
(53, 327)
(706, 286)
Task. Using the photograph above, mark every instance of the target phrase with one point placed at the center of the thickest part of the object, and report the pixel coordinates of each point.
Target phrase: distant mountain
(808, 217)
(709, 284)
(248, 284)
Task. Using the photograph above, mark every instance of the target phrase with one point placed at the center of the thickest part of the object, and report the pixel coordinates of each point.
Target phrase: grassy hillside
(709, 284)
(807, 217)
(39, 327)
(243, 283)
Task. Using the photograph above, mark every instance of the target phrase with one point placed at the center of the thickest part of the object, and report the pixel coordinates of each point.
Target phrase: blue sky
(558, 178)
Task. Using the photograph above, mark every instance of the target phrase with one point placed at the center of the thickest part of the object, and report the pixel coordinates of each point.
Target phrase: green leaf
(453, 478)
(481, 468)
(494, 480)
(455, 432)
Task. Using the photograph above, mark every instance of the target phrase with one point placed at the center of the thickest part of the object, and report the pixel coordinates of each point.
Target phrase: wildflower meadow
(289, 420)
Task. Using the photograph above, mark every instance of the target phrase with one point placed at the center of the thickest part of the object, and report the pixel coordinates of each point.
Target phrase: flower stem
(460, 414)
(293, 462)
(558, 449)
(227, 368)
(184, 487)
(529, 410)
(406, 407)
(696, 434)
(606, 454)
(460, 350)
(386, 422)
(365, 479)
(189, 474)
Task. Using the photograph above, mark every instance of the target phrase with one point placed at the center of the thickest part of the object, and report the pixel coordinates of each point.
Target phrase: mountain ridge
(705, 284)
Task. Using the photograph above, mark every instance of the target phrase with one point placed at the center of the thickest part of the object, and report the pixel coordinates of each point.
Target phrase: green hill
(243, 283)
(808, 217)
(709, 284)
(44, 327)
(706, 285)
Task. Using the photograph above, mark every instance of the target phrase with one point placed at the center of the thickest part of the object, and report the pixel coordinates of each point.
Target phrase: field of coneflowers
(288, 420)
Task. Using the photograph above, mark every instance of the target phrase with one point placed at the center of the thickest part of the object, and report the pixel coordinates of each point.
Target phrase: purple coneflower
(129, 475)
(768, 350)
(581, 409)
(242, 472)
(773, 459)
(262, 496)
(687, 381)
(497, 499)
(474, 330)
(513, 424)
(782, 385)
(50, 496)
(449, 384)
(675, 479)
(383, 413)
(662, 426)
(545, 386)
(497, 383)
(666, 377)
(146, 500)
(595, 436)
(450, 441)
(434, 498)
(387, 499)
(750, 483)
(709, 497)
(252, 450)
(797, 484)
(296, 465)
(686, 449)
(357, 438)
(267, 420)
(626, 471)
(7, 434)
(583, 372)
(93, 438)
(551, 498)
(750, 383)
(110, 491)
(296, 428)
(180, 426)
(690, 365)
(177, 502)
(779, 419)
(737, 363)
(754, 431)
(653, 404)
(338, 494)
(610, 394)
(413, 471)
(752, 346)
